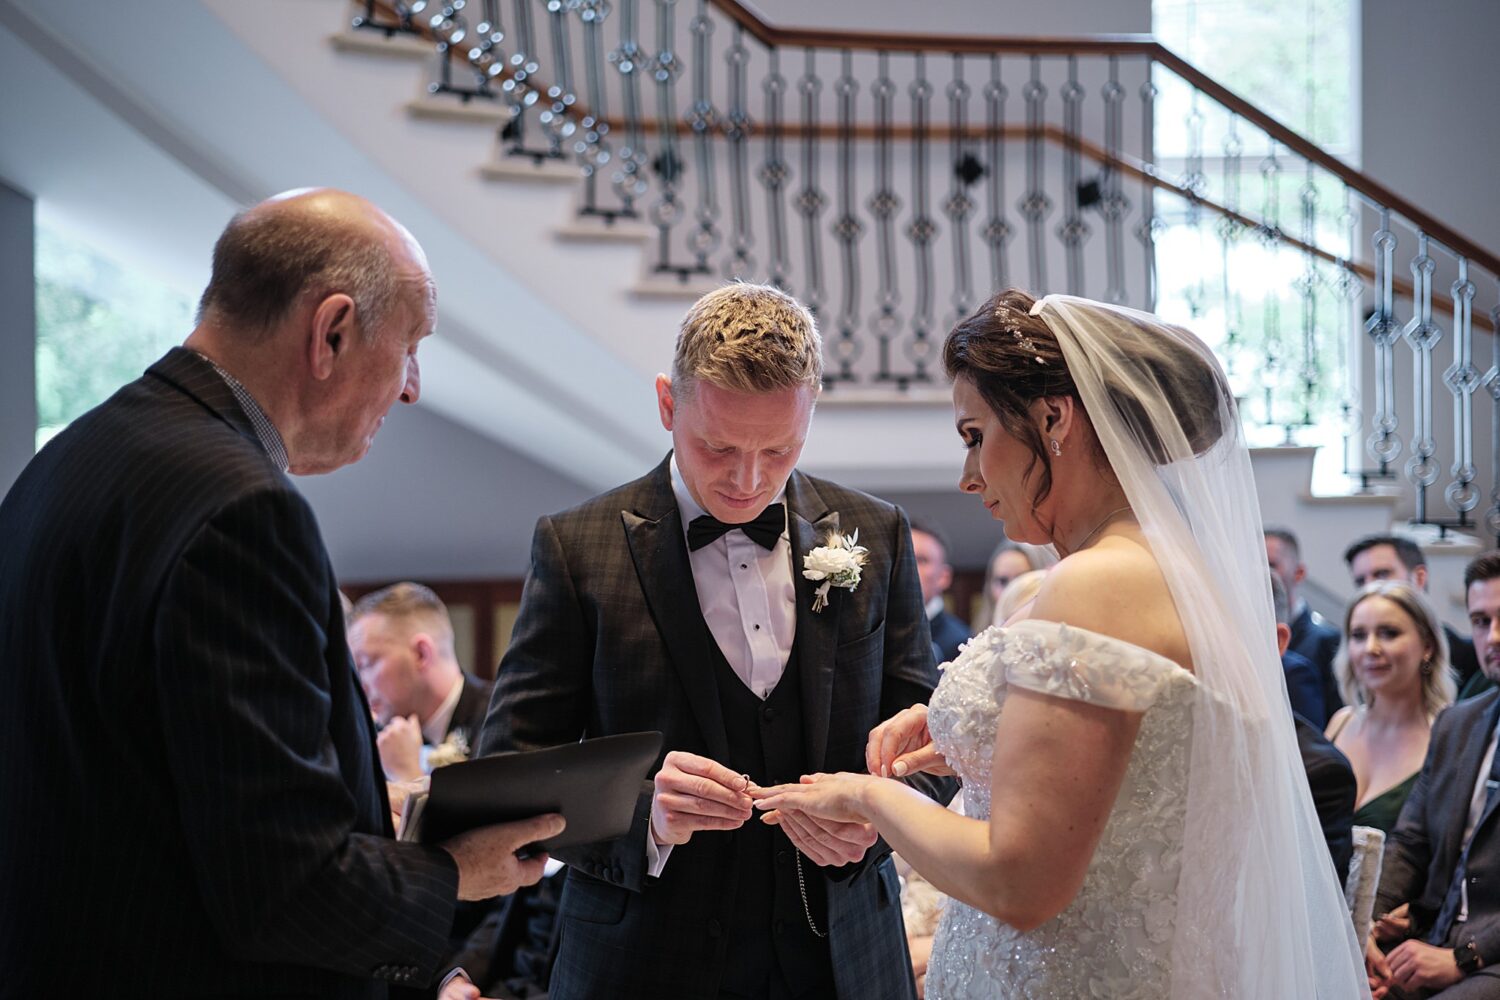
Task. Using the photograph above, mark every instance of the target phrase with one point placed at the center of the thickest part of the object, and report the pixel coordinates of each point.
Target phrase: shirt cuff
(457, 973)
(656, 856)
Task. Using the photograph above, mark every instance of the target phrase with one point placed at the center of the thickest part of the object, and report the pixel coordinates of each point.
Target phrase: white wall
(1430, 82)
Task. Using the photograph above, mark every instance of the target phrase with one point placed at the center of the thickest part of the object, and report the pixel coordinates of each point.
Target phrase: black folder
(594, 784)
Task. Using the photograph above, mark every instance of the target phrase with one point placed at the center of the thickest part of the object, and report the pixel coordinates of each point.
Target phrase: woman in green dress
(1394, 674)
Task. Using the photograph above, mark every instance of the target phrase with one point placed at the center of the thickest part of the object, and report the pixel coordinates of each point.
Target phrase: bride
(1138, 820)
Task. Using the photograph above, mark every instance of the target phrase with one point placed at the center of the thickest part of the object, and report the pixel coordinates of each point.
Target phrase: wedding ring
(747, 782)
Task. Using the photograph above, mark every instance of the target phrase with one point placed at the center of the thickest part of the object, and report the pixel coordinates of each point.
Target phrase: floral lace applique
(1114, 939)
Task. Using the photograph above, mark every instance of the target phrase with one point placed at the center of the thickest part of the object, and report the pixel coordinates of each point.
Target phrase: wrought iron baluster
(811, 200)
(1383, 330)
(1492, 386)
(922, 229)
(1271, 345)
(997, 232)
(1035, 205)
(405, 15)
(1072, 231)
(737, 127)
(884, 203)
(774, 173)
(520, 95)
(484, 54)
(1422, 335)
(959, 207)
(704, 121)
(556, 118)
(847, 228)
(1147, 229)
(1230, 231)
(1307, 286)
(1462, 379)
(666, 212)
(1112, 201)
(450, 28)
(593, 148)
(1348, 287)
(629, 180)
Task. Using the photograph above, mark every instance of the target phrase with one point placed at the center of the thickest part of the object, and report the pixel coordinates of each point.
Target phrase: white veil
(1260, 913)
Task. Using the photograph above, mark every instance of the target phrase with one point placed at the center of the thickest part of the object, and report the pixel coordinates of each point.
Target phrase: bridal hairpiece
(1004, 314)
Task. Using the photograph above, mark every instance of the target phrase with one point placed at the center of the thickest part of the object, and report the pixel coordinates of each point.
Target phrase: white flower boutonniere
(452, 751)
(835, 564)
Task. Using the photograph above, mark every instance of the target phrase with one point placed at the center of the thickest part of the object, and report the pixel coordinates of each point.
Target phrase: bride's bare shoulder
(1117, 589)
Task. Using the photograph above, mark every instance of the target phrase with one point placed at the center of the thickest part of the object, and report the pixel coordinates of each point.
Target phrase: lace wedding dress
(1115, 939)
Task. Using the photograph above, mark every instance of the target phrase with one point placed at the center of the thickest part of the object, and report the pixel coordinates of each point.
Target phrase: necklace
(1090, 536)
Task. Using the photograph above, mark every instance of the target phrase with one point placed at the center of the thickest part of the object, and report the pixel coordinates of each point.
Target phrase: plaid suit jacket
(610, 639)
(189, 786)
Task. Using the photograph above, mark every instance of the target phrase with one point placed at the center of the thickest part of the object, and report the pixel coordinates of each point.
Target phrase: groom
(677, 602)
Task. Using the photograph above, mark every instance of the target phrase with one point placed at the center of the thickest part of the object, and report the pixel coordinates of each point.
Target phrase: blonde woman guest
(1393, 671)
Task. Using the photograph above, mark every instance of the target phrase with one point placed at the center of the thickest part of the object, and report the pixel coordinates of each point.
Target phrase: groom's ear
(666, 406)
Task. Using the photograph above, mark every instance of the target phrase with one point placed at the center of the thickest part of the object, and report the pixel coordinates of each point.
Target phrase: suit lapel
(1473, 758)
(810, 522)
(655, 535)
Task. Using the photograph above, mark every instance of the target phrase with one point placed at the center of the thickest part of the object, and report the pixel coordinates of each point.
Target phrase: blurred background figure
(429, 710)
(936, 575)
(1304, 687)
(1394, 557)
(1009, 561)
(1314, 638)
(1394, 673)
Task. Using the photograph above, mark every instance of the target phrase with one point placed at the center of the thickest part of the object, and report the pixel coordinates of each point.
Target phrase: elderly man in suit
(679, 602)
(191, 797)
(1440, 884)
(935, 575)
(402, 641)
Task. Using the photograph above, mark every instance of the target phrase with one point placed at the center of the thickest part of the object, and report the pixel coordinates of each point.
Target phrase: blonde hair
(411, 606)
(1439, 688)
(747, 338)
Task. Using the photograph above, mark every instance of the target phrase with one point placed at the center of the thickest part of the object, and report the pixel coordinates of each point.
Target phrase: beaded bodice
(1114, 939)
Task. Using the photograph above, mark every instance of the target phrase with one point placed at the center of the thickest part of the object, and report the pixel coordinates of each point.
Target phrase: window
(98, 326)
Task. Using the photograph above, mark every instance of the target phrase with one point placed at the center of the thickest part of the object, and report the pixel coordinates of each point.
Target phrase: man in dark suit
(935, 576)
(191, 801)
(1440, 882)
(1393, 557)
(402, 640)
(1313, 639)
(680, 602)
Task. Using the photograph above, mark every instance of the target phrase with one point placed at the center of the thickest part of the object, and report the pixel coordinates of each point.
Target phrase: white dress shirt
(748, 597)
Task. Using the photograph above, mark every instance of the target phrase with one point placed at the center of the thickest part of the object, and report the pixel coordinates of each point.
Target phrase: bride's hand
(902, 745)
(836, 798)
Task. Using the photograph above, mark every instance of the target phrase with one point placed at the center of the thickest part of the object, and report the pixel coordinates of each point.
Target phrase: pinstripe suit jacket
(610, 639)
(187, 765)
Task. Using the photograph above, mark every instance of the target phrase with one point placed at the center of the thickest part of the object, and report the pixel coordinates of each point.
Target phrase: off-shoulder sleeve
(1056, 659)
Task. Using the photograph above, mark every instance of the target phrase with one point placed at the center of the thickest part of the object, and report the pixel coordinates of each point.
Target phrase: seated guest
(1303, 685)
(1017, 595)
(1329, 775)
(402, 641)
(1009, 561)
(1392, 557)
(935, 576)
(1440, 933)
(1313, 638)
(1394, 673)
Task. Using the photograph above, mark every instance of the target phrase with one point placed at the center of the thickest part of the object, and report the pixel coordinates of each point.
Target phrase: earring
(1427, 667)
(1056, 449)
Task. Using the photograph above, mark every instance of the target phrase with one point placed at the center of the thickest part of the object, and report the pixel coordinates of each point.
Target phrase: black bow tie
(763, 531)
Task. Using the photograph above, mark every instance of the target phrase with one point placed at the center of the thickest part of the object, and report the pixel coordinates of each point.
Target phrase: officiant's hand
(694, 793)
(486, 856)
(902, 745)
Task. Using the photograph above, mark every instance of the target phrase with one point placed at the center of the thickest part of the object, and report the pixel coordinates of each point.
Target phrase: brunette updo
(1013, 359)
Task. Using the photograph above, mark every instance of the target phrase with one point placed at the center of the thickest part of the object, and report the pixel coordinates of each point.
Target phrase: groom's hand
(694, 793)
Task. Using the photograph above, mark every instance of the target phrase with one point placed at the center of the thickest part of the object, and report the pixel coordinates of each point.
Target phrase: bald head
(309, 243)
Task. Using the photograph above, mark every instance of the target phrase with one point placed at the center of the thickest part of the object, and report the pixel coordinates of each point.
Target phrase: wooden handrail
(1143, 46)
